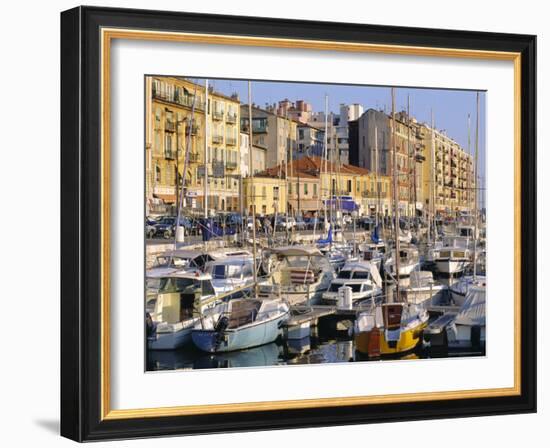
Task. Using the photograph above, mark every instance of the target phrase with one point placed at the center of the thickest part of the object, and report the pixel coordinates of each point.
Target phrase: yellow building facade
(175, 127)
(448, 174)
(267, 194)
(311, 182)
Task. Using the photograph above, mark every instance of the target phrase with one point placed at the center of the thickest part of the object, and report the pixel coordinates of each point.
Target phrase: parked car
(165, 227)
(300, 223)
(150, 228)
(312, 222)
(284, 223)
(233, 221)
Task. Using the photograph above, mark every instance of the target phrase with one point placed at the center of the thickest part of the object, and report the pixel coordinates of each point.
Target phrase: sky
(450, 107)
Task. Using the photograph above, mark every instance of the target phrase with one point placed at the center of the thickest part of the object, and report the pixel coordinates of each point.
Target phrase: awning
(168, 198)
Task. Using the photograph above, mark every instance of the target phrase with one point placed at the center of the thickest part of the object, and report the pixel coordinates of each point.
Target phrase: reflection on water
(328, 343)
(320, 348)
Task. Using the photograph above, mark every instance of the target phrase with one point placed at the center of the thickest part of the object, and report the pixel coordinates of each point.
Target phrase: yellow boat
(390, 329)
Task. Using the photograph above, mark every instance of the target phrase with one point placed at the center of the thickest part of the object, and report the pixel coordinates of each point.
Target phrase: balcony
(259, 128)
(194, 157)
(170, 126)
(193, 130)
(217, 138)
(369, 194)
(231, 165)
(232, 141)
(217, 115)
(231, 118)
(175, 98)
(170, 154)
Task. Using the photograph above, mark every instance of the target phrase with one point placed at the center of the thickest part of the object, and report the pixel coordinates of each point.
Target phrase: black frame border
(81, 223)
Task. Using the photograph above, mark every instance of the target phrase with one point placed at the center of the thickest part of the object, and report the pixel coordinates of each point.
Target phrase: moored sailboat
(389, 329)
(240, 324)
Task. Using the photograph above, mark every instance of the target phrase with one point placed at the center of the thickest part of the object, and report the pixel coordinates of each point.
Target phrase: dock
(304, 317)
(312, 313)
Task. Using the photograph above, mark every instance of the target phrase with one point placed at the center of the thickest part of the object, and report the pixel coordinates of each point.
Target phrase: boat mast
(206, 129)
(409, 152)
(376, 161)
(250, 146)
(181, 197)
(395, 194)
(433, 227)
(469, 189)
(325, 151)
(475, 186)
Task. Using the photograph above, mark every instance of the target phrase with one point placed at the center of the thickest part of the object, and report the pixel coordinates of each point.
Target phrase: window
(264, 192)
(349, 186)
(314, 189)
(218, 271)
(158, 146)
(157, 174)
(276, 193)
(305, 188)
(168, 145)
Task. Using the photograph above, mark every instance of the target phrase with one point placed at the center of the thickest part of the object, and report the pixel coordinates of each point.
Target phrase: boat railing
(243, 317)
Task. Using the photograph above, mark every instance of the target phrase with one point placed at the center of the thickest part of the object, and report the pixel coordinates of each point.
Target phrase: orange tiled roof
(309, 167)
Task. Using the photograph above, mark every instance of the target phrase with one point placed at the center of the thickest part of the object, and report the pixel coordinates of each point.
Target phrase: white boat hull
(450, 266)
(465, 336)
(171, 336)
(331, 298)
(169, 341)
(252, 335)
(421, 295)
(404, 270)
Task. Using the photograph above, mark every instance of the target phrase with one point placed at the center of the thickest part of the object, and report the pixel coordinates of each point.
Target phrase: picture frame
(86, 37)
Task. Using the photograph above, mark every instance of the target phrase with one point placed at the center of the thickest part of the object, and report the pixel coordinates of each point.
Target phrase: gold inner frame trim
(107, 35)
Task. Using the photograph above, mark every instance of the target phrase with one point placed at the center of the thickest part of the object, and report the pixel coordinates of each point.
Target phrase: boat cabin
(238, 268)
(180, 296)
(298, 265)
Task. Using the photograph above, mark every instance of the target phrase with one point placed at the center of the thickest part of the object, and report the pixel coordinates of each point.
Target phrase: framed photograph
(274, 223)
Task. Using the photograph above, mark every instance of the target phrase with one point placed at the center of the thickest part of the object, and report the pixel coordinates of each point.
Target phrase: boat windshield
(155, 284)
(171, 284)
(166, 260)
(222, 271)
(206, 287)
(356, 275)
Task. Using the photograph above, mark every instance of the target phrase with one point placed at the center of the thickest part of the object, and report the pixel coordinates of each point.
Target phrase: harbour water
(324, 346)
